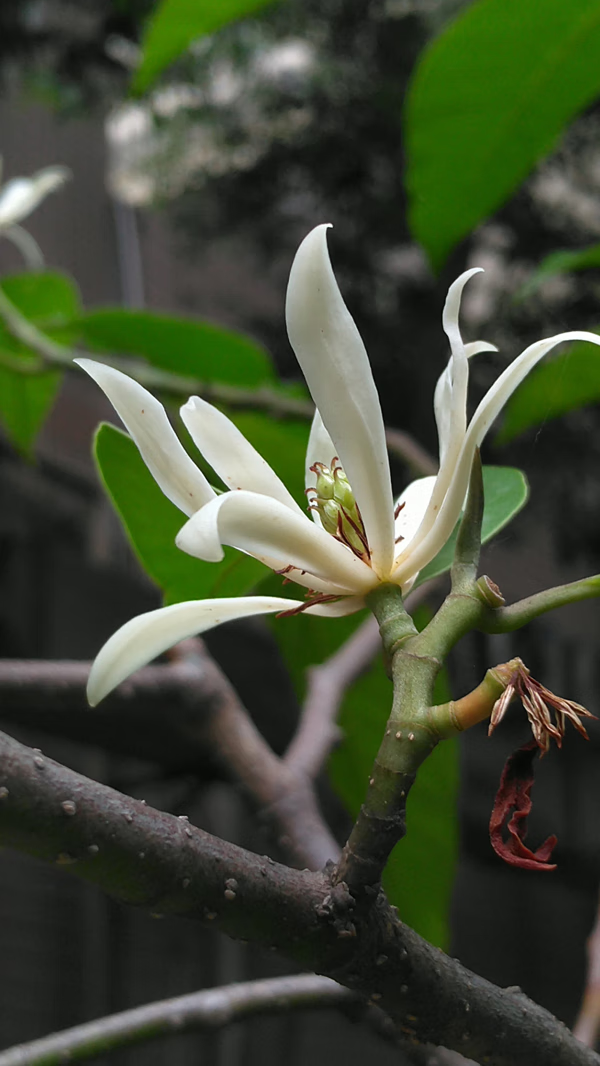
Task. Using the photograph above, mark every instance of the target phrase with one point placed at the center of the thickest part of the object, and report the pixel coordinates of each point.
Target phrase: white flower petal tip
(477, 347)
(452, 306)
(162, 451)
(20, 196)
(143, 638)
(335, 364)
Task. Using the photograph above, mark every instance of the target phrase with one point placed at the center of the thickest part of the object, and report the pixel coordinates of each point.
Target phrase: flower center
(334, 502)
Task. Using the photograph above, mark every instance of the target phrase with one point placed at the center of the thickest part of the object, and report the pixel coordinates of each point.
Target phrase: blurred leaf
(175, 24)
(152, 522)
(506, 492)
(420, 871)
(49, 301)
(25, 400)
(569, 381)
(564, 262)
(185, 346)
(489, 98)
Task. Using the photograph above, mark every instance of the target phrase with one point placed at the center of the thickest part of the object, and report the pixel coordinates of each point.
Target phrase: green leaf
(420, 871)
(563, 262)
(506, 492)
(568, 381)
(152, 522)
(175, 24)
(49, 301)
(185, 346)
(489, 98)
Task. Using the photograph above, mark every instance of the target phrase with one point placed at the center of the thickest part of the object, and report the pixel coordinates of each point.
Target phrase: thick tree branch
(206, 719)
(154, 860)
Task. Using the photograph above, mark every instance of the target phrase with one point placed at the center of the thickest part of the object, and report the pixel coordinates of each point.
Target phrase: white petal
(332, 355)
(476, 347)
(339, 609)
(143, 638)
(489, 408)
(268, 530)
(414, 502)
(233, 458)
(451, 310)
(21, 196)
(160, 448)
(450, 401)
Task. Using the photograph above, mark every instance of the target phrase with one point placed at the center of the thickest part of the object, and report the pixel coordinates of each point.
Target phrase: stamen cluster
(334, 502)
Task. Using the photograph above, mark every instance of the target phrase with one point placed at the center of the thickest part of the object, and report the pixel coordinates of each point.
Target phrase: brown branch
(208, 1009)
(408, 449)
(154, 860)
(206, 721)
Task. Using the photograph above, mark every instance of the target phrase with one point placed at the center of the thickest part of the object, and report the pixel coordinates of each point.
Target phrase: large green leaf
(562, 262)
(569, 381)
(183, 345)
(175, 24)
(489, 98)
(152, 523)
(50, 301)
(506, 492)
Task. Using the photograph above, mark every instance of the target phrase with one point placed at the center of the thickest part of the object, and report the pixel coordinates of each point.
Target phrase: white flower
(356, 538)
(18, 198)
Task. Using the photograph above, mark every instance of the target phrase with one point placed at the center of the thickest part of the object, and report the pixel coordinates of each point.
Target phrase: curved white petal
(335, 364)
(339, 609)
(443, 401)
(487, 411)
(233, 458)
(143, 638)
(27, 246)
(160, 448)
(320, 449)
(476, 347)
(413, 503)
(450, 400)
(19, 197)
(268, 530)
(451, 312)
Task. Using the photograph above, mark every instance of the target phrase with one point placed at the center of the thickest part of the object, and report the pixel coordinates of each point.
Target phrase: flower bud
(489, 592)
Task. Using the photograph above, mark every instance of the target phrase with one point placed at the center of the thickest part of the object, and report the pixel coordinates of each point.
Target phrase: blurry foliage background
(300, 115)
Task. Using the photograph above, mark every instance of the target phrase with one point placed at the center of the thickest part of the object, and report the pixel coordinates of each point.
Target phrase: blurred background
(192, 199)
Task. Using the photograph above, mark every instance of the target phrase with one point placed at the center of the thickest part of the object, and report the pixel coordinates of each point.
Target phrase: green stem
(506, 619)
(408, 740)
